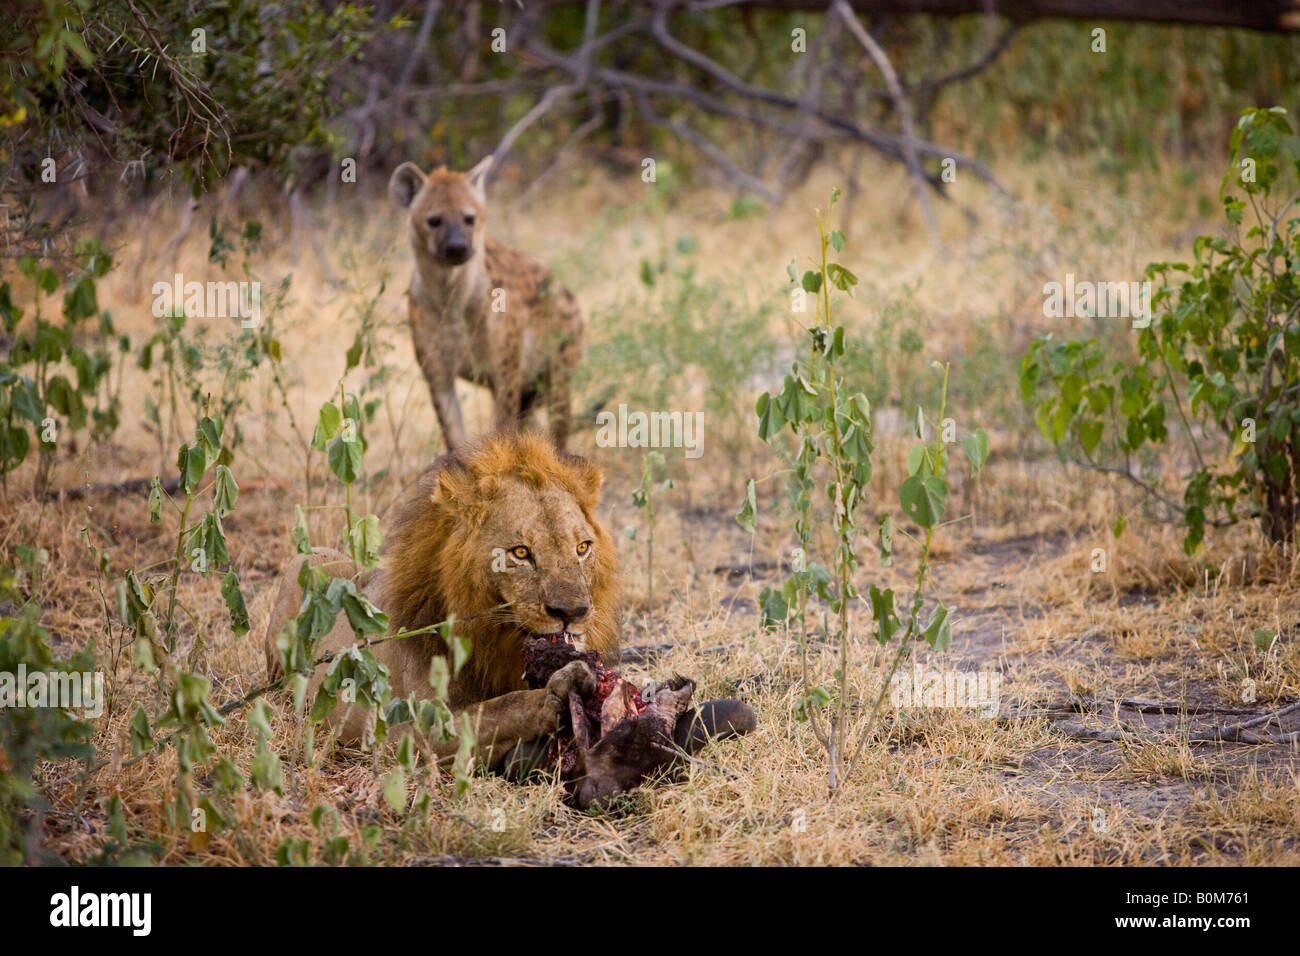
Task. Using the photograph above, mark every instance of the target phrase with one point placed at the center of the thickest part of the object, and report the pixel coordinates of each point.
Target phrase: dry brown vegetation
(1071, 645)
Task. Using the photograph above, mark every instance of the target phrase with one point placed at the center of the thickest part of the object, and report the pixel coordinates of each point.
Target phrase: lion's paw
(574, 677)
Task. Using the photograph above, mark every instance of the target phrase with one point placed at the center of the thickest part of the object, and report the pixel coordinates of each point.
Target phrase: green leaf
(155, 501)
(1090, 434)
(923, 499)
(227, 775)
(345, 459)
(798, 400)
(301, 538)
(26, 402)
(882, 609)
(141, 734)
(774, 608)
(365, 541)
(211, 537)
(812, 282)
(14, 445)
(841, 278)
(142, 648)
(460, 651)
(938, 632)
(208, 437)
(191, 462)
(886, 540)
(439, 676)
(918, 457)
(747, 516)
(815, 699)
(79, 302)
(976, 446)
(838, 240)
(362, 615)
(227, 491)
(259, 719)
(328, 422)
(266, 769)
(116, 819)
(770, 419)
(239, 622)
(1262, 638)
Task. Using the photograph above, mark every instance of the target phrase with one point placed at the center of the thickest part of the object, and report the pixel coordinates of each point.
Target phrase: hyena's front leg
(557, 404)
(439, 366)
(563, 362)
(507, 381)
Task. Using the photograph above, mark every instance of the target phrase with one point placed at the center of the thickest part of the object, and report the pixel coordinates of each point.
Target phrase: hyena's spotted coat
(480, 311)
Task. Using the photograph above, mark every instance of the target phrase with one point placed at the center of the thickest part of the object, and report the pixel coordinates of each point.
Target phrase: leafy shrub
(52, 368)
(834, 434)
(31, 734)
(1222, 353)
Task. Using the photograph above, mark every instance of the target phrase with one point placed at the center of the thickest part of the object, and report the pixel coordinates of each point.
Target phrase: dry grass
(940, 786)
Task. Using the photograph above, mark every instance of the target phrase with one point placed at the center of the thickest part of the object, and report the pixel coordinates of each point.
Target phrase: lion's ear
(487, 487)
(452, 487)
(464, 494)
(589, 477)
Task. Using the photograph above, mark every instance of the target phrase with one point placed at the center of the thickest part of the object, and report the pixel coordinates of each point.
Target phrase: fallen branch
(1229, 733)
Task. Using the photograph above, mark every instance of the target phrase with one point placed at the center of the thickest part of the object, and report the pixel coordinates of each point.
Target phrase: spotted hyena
(479, 311)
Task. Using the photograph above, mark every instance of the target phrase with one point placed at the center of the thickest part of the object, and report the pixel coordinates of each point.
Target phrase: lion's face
(539, 551)
(510, 521)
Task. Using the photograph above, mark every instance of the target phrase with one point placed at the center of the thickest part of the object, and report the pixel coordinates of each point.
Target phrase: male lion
(481, 311)
(509, 521)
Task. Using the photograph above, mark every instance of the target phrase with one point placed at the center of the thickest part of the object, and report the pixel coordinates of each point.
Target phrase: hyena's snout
(454, 246)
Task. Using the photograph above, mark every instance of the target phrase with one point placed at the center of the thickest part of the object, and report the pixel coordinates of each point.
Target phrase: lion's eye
(522, 553)
(435, 222)
(469, 219)
(584, 548)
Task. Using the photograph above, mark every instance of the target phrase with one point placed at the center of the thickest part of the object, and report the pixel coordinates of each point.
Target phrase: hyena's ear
(405, 184)
(477, 177)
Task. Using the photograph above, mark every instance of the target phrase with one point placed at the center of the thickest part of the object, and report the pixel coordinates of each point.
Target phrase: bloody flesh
(546, 655)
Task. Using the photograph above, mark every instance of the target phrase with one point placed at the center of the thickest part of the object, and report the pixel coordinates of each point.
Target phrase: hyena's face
(446, 210)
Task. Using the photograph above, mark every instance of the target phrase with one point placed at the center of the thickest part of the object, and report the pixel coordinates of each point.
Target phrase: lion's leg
(499, 725)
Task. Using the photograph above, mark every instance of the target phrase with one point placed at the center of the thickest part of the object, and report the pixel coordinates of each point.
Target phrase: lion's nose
(568, 613)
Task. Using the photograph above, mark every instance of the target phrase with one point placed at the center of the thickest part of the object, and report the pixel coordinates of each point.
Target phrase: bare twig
(901, 106)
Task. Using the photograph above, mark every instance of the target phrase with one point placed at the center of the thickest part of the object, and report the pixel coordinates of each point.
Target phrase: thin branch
(1148, 488)
(543, 106)
(901, 106)
(578, 135)
(421, 44)
(703, 144)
